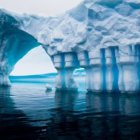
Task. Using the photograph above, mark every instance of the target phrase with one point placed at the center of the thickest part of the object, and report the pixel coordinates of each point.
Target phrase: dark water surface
(28, 112)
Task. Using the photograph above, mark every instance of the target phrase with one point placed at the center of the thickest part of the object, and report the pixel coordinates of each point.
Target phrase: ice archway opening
(36, 61)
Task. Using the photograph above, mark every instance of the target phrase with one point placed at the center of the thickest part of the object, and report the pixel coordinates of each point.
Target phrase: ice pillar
(65, 63)
(96, 71)
(71, 62)
(83, 58)
(4, 79)
(58, 61)
(128, 63)
(111, 69)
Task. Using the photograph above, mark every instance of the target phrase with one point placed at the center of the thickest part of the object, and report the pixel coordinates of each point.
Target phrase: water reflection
(115, 103)
(72, 115)
(66, 99)
(104, 117)
(13, 122)
(114, 116)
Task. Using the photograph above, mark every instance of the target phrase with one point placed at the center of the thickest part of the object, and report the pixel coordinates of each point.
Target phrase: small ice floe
(48, 88)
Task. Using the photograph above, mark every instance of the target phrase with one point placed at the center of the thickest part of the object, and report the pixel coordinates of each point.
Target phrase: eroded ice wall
(103, 36)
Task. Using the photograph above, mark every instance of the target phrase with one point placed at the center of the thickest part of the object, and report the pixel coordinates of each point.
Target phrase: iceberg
(101, 36)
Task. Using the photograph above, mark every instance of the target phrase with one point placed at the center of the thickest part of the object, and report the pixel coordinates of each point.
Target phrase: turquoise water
(27, 111)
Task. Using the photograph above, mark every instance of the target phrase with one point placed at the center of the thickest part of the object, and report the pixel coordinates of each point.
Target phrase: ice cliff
(89, 27)
(14, 44)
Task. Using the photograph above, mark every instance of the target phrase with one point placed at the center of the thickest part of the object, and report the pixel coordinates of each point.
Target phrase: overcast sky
(37, 61)
(40, 7)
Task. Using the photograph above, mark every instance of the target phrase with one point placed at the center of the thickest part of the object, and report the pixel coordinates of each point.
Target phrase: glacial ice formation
(102, 36)
(14, 44)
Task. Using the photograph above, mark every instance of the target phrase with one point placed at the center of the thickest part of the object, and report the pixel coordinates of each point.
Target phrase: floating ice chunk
(48, 88)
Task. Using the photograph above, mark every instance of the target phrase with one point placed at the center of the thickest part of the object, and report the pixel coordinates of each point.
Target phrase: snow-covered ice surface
(92, 24)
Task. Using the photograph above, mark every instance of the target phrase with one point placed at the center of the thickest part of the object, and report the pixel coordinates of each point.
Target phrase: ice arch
(101, 37)
(14, 44)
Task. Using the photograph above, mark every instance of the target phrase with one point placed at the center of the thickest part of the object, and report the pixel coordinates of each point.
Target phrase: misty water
(28, 112)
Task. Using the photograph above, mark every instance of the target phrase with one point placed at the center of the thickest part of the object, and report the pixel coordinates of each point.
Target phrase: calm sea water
(28, 112)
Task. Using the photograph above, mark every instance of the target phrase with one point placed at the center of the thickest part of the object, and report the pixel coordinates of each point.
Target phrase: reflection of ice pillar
(111, 69)
(130, 105)
(128, 63)
(96, 73)
(65, 99)
(65, 63)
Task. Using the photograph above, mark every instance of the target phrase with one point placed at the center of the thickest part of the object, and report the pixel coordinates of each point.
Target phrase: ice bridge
(103, 37)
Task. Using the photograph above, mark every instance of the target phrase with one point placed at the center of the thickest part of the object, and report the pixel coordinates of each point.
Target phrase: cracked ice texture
(97, 24)
(92, 24)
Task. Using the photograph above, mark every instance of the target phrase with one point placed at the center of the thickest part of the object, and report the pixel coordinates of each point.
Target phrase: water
(28, 112)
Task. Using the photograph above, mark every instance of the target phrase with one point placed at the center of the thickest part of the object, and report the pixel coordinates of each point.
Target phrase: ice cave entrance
(36, 61)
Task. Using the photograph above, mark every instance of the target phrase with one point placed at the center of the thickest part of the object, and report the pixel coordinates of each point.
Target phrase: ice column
(71, 63)
(4, 80)
(128, 63)
(111, 69)
(96, 70)
(84, 63)
(65, 63)
(58, 61)
(4, 75)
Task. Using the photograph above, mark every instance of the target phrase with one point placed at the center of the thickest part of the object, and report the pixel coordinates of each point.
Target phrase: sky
(37, 61)
(40, 7)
